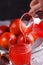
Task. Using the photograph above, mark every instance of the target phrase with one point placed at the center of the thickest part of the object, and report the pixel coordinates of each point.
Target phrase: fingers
(33, 2)
(34, 8)
(41, 2)
(36, 5)
(41, 9)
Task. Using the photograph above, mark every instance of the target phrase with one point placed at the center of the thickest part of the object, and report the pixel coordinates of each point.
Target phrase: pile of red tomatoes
(13, 35)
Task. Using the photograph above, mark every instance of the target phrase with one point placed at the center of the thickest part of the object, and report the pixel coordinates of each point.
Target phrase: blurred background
(10, 9)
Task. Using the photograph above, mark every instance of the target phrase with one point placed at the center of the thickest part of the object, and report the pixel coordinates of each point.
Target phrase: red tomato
(15, 26)
(7, 38)
(32, 37)
(3, 29)
(0, 38)
(21, 39)
(4, 43)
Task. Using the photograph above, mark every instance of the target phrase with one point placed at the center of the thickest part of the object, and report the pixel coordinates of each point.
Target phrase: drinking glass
(20, 54)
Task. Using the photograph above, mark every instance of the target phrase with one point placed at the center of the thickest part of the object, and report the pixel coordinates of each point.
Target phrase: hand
(35, 5)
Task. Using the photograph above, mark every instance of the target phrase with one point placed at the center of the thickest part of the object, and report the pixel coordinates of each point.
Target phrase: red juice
(27, 31)
(20, 54)
(38, 29)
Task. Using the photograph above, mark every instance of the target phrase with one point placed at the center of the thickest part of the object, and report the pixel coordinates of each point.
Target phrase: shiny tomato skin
(32, 38)
(14, 26)
(21, 39)
(6, 39)
(4, 43)
(3, 29)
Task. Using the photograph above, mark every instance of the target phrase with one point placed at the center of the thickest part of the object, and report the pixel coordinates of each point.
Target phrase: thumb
(35, 8)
